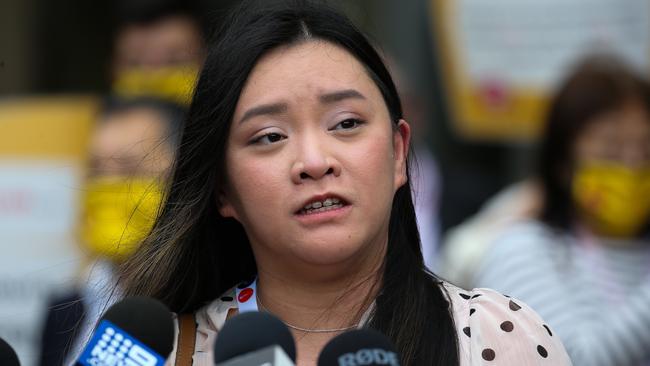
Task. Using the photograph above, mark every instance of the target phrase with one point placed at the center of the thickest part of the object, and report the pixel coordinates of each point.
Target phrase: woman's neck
(315, 312)
(331, 304)
(319, 295)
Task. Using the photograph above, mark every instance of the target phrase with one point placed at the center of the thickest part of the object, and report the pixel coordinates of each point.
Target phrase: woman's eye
(348, 124)
(268, 138)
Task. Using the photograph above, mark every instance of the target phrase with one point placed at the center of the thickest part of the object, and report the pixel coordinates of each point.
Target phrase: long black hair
(598, 84)
(193, 254)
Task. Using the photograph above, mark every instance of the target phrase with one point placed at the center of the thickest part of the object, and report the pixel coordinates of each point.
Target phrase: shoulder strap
(186, 339)
(231, 312)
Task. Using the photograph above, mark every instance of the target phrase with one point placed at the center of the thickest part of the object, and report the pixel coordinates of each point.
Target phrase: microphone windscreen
(359, 347)
(145, 319)
(252, 331)
(8, 356)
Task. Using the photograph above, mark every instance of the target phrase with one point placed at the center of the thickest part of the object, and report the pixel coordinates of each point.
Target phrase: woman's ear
(226, 209)
(401, 142)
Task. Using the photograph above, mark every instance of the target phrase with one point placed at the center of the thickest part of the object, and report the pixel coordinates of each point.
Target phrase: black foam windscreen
(8, 356)
(359, 347)
(146, 319)
(252, 331)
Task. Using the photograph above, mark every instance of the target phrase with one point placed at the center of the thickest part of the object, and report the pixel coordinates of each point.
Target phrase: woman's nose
(313, 162)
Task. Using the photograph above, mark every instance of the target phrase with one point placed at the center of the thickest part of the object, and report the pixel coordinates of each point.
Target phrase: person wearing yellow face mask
(584, 262)
(130, 154)
(131, 151)
(613, 199)
(117, 214)
(158, 50)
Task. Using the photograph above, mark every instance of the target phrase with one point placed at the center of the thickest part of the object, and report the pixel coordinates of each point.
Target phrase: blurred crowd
(157, 53)
(571, 238)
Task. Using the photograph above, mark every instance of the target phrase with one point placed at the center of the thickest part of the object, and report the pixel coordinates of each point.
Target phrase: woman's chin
(333, 257)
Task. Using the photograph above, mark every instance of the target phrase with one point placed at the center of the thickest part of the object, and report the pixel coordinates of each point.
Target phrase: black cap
(145, 319)
(251, 331)
(8, 356)
(359, 347)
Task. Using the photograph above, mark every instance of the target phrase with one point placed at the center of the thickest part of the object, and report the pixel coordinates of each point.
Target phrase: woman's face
(620, 136)
(611, 178)
(313, 160)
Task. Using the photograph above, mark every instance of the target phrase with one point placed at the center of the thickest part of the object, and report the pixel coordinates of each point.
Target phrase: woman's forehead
(305, 70)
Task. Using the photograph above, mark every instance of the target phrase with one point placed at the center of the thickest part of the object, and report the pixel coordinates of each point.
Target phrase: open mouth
(328, 204)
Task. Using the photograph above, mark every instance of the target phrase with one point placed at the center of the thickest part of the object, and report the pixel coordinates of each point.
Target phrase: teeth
(321, 206)
(322, 209)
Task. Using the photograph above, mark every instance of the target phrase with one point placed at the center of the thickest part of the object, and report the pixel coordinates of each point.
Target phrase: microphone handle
(267, 356)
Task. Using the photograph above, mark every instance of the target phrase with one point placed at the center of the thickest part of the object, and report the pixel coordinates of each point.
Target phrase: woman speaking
(293, 171)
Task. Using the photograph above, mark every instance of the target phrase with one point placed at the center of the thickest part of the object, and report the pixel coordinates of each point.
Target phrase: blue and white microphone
(137, 331)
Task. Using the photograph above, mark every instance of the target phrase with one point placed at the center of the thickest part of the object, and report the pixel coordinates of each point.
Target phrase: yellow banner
(46, 127)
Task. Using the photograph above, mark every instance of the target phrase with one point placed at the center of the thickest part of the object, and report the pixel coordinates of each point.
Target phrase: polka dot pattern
(492, 329)
(542, 351)
(507, 326)
(467, 331)
(513, 306)
(488, 354)
(498, 330)
(547, 329)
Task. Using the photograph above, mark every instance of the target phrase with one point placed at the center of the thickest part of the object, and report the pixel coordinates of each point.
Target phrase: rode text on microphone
(369, 356)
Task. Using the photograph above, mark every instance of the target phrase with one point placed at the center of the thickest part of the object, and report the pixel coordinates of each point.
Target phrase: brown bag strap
(231, 312)
(186, 340)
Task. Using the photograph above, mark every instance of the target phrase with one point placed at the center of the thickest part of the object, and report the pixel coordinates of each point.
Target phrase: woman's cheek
(260, 182)
(376, 159)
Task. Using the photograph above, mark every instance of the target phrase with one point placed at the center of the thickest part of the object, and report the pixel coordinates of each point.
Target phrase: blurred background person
(131, 152)
(158, 50)
(583, 260)
(465, 245)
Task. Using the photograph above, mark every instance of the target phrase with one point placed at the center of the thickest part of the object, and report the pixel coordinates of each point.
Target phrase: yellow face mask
(614, 199)
(174, 83)
(117, 215)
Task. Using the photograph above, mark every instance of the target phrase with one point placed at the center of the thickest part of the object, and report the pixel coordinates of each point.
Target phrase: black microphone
(8, 356)
(358, 347)
(254, 338)
(137, 331)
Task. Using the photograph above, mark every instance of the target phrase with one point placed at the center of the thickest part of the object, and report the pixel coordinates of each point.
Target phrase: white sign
(531, 42)
(38, 210)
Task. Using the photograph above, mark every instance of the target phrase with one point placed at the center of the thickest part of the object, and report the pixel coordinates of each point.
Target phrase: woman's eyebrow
(264, 109)
(279, 108)
(336, 96)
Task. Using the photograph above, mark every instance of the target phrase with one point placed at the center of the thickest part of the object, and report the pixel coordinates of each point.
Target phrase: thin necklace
(306, 330)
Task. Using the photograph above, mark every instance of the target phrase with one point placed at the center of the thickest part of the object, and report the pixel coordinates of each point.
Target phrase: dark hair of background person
(143, 12)
(599, 84)
(73, 40)
(172, 114)
(193, 254)
(147, 11)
